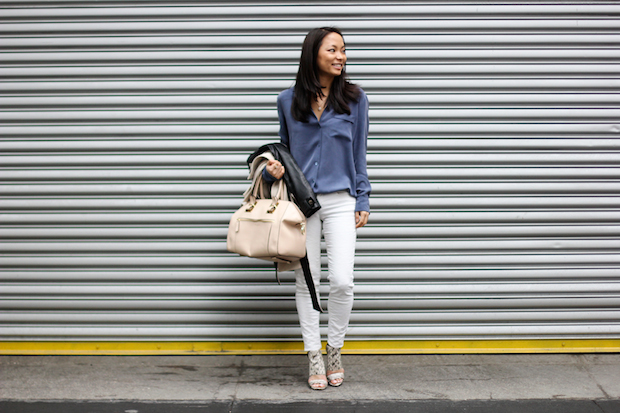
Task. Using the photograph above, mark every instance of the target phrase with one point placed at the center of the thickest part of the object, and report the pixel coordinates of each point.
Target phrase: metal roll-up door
(493, 157)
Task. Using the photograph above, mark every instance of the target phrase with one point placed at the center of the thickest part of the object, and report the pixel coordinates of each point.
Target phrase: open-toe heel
(334, 363)
(317, 368)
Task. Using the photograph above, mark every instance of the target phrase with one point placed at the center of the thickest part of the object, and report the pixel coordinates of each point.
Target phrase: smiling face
(331, 57)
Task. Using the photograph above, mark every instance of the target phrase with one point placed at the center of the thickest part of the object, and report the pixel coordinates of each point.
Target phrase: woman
(324, 122)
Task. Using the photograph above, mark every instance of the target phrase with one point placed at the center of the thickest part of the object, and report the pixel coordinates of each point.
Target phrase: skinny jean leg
(309, 318)
(337, 217)
(340, 236)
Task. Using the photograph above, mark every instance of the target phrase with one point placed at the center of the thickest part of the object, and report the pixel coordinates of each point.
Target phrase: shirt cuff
(362, 203)
(267, 176)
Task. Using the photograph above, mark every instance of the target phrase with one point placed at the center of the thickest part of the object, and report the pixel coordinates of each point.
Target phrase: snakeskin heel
(334, 363)
(317, 368)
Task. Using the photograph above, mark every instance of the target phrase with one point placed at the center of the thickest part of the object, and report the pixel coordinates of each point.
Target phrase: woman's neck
(326, 83)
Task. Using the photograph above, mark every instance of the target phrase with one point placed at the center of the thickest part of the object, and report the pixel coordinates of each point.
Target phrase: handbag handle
(280, 192)
(258, 191)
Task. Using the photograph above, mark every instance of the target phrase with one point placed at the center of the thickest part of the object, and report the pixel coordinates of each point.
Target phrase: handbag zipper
(302, 226)
(250, 219)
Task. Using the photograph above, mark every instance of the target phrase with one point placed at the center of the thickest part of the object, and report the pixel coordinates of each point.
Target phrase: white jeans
(337, 216)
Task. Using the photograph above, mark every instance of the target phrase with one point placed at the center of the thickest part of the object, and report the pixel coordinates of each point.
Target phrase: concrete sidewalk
(428, 383)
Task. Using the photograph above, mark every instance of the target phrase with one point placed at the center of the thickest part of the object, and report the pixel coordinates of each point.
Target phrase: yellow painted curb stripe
(290, 347)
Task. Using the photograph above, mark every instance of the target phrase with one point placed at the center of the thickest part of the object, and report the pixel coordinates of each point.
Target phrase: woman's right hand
(275, 169)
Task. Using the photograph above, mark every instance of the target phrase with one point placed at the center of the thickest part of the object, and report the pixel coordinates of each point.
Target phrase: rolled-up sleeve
(283, 126)
(283, 133)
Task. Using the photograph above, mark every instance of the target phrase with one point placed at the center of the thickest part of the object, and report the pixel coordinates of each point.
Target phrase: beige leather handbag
(270, 229)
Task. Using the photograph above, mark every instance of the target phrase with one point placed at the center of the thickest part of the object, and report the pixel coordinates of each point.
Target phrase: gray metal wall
(493, 155)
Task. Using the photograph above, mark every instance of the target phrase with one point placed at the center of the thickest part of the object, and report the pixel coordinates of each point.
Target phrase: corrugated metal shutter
(494, 159)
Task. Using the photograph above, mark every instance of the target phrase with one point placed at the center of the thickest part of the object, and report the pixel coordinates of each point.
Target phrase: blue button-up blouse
(330, 152)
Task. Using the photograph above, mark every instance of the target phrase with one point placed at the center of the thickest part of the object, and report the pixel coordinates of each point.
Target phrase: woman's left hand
(361, 218)
(275, 169)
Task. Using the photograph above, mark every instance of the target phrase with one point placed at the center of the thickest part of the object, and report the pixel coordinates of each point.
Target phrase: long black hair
(308, 86)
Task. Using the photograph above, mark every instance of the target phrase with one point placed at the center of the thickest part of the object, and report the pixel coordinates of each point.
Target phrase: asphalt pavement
(549, 383)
